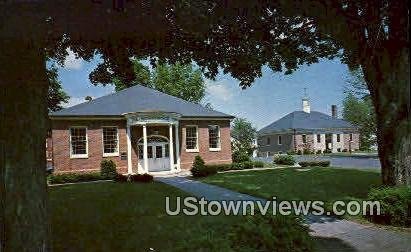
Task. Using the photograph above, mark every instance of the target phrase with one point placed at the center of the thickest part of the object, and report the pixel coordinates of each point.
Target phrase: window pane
(159, 151)
(78, 141)
(166, 151)
(214, 136)
(191, 138)
(279, 139)
(149, 151)
(318, 138)
(110, 141)
(304, 139)
(140, 151)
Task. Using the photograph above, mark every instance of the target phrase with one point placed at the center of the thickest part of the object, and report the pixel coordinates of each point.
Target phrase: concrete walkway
(338, 235)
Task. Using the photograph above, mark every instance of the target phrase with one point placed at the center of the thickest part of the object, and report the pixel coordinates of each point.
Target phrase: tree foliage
(178, 80)
(243, 134)
(56, 95)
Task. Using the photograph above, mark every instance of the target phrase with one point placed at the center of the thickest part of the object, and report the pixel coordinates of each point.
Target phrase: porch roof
(138, 99)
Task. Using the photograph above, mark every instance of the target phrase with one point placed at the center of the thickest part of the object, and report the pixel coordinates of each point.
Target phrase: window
(78, 142)
(318, 138)
(268, 141)
(191, 138)
(279, 140)
(110, 141)
(350, 137)
(338, 138)
(214, 137)
(304, 138)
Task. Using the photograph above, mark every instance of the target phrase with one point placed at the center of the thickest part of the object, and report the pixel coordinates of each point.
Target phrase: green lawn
(327, 184)
(123, 217)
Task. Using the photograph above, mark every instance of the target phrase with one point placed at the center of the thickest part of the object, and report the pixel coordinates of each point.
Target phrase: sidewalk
(342, 234)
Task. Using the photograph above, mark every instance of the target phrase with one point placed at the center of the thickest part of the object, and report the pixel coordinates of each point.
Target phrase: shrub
(220, 167)
(270, 233)
(319, 152)
(237, 166)
(240, 156)
(299, 152)
(144, 178)
(291, 152)
(322, 163)
(258, 164)
(248, 165)
(108, 169)
(73, 177)
(344, 150)
(307, 151)
(199, 169)
(327, 151)
(284, 160)
(395, 205)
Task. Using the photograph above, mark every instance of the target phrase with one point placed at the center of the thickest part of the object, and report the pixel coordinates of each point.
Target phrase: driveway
(343, 162)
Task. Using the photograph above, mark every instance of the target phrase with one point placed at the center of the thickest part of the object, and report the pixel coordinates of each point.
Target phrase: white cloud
(219, 90)
(74, 101)
(71, 62)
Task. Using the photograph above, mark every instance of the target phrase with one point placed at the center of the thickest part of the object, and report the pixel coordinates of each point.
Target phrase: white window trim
(185, 139)
(278, 138)
(71, 150)
(219, 138)
(114, 154)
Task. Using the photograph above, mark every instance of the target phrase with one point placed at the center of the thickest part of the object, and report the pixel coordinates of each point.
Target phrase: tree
(56, 95)
(243, 134)
(177, 80)
(236, 37)
(360, 113)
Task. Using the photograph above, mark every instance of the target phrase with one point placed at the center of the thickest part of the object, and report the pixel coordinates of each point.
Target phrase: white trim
(170, 146)
(177, 135)
(145, 151)
(129, 162)
(218, 148)
(111, 154)
(185, 138)
(73, 156)
(206, 118)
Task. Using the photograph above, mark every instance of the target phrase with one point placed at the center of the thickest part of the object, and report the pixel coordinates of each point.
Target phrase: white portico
(158, 152)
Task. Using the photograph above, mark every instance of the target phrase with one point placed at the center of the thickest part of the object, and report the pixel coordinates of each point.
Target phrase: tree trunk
(24, 223)
(388, 78)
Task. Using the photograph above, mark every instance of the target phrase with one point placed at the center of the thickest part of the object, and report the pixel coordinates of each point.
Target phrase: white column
(129, 163)
(177, 146)
(171, 147)
(145, 158)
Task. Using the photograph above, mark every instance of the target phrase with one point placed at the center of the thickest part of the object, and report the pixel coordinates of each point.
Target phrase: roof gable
(300, 120)
(138, 99)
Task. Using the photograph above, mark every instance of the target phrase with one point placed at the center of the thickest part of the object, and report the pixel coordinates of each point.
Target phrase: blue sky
(268, 99)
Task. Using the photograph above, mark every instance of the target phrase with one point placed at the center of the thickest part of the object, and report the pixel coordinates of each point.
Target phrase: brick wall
(210, 157)
(61, 146)
(355, 144)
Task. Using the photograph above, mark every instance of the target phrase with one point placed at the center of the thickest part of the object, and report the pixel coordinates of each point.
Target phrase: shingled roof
(138, 99)
(302, 121)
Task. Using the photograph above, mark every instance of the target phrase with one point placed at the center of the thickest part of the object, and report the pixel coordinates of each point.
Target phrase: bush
(237, 166)
(271, 233)
(199, 169)
(327, 151)
(248, 165)
(73, 178)
(322, 163)
(344, 150)
(258, 164)
(108, 169)
(144, 178)
(307, 151)
(291, 152)
(299, 152)
(395, 205)
(319, 151)
(240, 156)
(284, 160)
(220, 167)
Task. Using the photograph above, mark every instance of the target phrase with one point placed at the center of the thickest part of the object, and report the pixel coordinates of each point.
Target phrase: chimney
(334, 113)
(306, 102)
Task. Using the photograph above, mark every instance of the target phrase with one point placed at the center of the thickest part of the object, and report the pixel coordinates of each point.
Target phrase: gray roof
(138, 99)
(302, 121)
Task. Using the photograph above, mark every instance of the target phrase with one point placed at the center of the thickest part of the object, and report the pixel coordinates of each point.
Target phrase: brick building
(308, 130)
(142, 130)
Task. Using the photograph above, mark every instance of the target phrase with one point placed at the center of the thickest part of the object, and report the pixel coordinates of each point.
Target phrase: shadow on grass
(332, 244)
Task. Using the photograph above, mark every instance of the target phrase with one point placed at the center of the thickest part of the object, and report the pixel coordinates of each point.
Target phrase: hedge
(395, 205)
(145, 178)
(321, 163)
(74, 177)
(284, 160)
